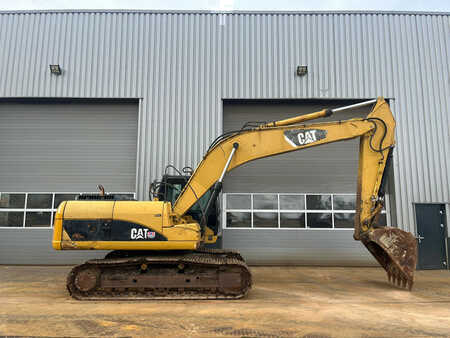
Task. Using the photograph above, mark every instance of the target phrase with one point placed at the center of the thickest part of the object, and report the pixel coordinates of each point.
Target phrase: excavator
(160, 248)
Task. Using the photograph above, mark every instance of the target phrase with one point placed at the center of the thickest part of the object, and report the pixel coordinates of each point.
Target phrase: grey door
(431, 231)
(50, 148)
(68, 147)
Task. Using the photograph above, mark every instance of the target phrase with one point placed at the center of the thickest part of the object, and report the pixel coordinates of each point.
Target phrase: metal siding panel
(434, 78)
(443, 27)
(293, 247)
(67, 147)
(11, 32)
(35, 247)
(352, 55)
(5, 52)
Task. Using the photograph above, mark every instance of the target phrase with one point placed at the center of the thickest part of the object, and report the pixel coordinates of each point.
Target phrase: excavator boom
(394, 249)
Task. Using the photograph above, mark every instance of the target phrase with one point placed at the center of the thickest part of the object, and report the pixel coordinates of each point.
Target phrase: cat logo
(142, 234)
(301, 137)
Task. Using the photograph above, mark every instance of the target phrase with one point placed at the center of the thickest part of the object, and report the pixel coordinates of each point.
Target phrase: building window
(291, 211)
(36, 210)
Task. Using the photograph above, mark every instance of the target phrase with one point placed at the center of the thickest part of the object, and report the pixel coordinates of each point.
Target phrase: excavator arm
(394, 249)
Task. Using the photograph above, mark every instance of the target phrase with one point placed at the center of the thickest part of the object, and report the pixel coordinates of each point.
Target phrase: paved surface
(284, 302)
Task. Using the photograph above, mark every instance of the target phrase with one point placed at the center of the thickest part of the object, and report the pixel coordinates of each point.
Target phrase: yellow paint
(88, 209)
(185, 236)
(297, 119)
(57, 226)
(371, 167)
(146, 213)
(209, 236)
(130, 245)
(190, 232)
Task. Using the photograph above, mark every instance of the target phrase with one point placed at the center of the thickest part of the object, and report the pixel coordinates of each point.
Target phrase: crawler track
(214, 252)
(202, 274)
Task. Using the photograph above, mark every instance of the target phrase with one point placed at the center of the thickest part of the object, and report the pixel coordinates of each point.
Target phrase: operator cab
(171, 187)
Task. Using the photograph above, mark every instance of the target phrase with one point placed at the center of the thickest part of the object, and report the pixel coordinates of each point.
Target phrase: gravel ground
(284, 302)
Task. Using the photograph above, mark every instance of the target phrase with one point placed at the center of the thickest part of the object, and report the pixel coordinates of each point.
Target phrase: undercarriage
(202, 274)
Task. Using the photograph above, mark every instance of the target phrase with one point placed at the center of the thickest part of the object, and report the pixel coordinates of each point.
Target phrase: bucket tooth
(396, 251)
(410, 284)
(404, 281)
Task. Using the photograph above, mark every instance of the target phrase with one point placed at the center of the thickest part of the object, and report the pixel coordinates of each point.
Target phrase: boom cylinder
(218, 186)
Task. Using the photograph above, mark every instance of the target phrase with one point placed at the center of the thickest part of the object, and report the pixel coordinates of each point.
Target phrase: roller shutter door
(328, 169)
(52, 148)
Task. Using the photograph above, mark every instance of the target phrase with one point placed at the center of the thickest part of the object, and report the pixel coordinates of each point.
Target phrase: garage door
(295, 208)
(53, 151)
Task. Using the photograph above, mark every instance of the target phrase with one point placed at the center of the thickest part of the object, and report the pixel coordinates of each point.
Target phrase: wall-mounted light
(302, 70)
(55, 69)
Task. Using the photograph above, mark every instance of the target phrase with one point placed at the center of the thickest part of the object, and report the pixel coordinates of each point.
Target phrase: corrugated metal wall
(182, 64)
(67, 147)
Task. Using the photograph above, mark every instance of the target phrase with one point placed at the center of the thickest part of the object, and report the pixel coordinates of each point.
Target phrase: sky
(230, 5)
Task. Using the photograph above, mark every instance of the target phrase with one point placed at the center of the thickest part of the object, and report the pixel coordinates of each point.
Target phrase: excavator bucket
(396, 251)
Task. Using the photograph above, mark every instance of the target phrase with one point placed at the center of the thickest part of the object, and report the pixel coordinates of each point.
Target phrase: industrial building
(112, 97)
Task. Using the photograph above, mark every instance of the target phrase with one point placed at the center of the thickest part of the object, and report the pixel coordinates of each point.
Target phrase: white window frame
(51, 210)
(331, 211)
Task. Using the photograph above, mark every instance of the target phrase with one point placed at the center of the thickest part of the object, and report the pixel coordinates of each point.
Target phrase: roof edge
(141, 11)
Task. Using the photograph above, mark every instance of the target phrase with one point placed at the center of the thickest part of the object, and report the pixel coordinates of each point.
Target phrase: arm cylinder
(298, 119)
(316, 115)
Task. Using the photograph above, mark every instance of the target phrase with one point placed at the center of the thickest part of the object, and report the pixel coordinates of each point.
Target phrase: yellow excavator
(159, 246)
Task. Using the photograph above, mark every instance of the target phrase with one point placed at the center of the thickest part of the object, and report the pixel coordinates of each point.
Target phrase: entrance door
(431, 236)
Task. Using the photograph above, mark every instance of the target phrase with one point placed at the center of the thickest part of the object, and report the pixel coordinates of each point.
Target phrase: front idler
(396, 251)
